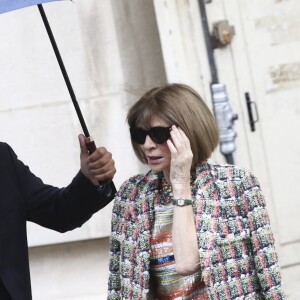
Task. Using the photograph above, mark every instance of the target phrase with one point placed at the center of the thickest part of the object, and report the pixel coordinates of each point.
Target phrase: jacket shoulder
(229, 181)
(229, 172)
(6, 153)
(138, 184)
(4, 148)
(226, 172)
(129, 185)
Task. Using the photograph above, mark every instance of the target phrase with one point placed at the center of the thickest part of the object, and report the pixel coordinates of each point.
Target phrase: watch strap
(182, 202)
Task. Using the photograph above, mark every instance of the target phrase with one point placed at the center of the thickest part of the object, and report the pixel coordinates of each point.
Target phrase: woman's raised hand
(181, 161)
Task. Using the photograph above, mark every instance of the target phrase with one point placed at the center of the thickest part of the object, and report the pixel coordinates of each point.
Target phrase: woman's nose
(149, 143)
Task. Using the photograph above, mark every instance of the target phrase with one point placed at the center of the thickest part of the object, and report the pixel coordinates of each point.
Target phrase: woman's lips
(154, 159)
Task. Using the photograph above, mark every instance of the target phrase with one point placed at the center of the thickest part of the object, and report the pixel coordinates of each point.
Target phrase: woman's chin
(157, 168)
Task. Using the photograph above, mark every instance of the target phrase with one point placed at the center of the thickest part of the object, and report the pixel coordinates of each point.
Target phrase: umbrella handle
(90, 144)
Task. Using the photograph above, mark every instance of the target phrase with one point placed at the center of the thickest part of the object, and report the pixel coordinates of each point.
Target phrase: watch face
(180, 202)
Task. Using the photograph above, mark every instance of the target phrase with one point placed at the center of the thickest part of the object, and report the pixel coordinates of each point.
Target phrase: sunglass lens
(160, 134)
(138, 135)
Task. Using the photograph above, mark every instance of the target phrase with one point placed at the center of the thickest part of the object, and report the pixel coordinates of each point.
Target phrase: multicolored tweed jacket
(236, 245)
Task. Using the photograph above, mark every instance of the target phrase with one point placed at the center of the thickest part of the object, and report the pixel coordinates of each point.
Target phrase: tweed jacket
(236, 245)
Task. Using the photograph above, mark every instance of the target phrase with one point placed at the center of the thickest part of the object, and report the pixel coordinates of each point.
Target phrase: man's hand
(99, 167)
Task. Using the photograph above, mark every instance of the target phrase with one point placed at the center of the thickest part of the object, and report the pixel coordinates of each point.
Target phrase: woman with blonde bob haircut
(188, 229)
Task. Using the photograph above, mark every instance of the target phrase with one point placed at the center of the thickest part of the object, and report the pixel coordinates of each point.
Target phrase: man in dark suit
(24, 197)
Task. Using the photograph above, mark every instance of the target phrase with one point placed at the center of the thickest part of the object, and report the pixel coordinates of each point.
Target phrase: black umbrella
(8, 5)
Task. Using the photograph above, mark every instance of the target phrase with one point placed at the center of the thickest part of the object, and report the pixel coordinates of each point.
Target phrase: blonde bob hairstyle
(180, 105)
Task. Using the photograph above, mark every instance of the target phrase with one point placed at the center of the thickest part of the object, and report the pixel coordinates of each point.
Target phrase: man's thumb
(83, 147)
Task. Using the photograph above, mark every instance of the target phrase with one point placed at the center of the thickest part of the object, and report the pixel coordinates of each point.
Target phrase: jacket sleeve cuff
(103, 194)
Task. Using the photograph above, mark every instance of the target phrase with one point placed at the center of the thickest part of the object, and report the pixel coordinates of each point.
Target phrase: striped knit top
(168, 284)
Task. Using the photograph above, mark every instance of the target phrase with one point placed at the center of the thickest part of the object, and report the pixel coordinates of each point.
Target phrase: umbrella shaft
(63, 70)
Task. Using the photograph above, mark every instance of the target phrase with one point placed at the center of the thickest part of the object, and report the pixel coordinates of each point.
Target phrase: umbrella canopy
(8, 5)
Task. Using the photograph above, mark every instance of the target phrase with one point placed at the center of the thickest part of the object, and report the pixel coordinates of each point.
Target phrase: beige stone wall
(70, 271)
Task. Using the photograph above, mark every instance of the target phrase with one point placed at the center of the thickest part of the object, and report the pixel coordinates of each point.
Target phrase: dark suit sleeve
(59, 209)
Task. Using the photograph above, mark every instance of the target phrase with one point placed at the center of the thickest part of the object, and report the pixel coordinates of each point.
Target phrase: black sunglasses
(158, 135)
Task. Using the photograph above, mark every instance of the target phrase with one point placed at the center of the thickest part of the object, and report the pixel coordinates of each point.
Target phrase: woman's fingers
(181, 157)
(180, 142)
(179, 138)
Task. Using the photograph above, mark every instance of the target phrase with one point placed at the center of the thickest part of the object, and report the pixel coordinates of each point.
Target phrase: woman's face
(158, 155)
